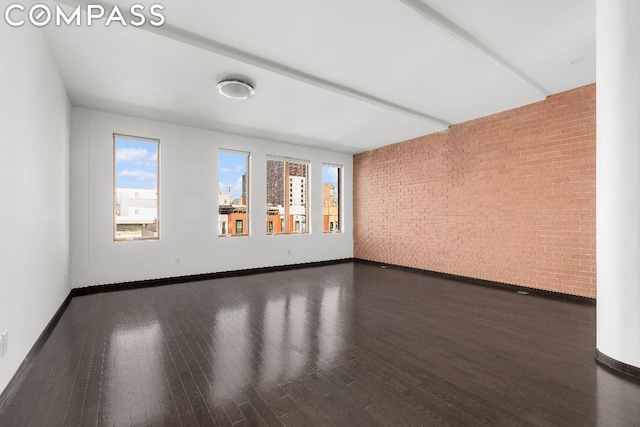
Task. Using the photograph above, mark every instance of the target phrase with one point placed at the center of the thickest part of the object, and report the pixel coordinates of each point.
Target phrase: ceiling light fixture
(576, 60)
(236, 89)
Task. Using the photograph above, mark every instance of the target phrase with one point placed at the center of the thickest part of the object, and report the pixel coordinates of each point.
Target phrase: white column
(618, 180)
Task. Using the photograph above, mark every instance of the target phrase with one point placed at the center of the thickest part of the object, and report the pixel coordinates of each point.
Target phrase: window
(331, 187)
(233, 193)
(135, 188)
(287, 209)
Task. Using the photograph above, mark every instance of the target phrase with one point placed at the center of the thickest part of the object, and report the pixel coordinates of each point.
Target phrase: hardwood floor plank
(265, 411)
(218, 395)
(347, 344)
(252, 415)
(65, 385)
(295, 416)
(91, 395)
(273, 402)
(181, 359)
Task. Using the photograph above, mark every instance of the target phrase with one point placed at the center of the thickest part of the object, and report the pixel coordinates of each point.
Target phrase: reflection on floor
(349, 344)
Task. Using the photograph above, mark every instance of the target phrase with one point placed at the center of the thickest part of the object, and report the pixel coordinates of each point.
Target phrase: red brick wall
(508, 198)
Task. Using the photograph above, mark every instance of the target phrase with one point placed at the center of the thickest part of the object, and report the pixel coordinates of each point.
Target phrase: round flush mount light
(577, 60)
(236, 89)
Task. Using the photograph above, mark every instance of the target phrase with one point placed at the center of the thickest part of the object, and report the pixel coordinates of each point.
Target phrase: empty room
(299, 213)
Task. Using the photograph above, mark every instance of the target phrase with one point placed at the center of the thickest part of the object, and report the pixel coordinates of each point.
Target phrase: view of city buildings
(287, 199)
(232, 214)
(136, 210)
(136, 213)
(331, 198)
(287, 196)
(330, 208)
(275, 182)
(233, 196)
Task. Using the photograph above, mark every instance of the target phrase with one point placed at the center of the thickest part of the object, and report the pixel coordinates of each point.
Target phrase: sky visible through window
(231, 168)
(330, 174)
(136, 164)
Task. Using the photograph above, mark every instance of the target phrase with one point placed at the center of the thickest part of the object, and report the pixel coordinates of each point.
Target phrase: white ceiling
(347, 75)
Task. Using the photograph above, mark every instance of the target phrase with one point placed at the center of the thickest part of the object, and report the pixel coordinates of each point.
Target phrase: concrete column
(618, 184)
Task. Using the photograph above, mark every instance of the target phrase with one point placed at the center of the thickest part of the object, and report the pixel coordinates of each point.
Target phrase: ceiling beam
(218, 48)
(459, 33)
(283, 70)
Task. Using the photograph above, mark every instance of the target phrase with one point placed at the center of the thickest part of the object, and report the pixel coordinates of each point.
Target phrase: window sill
(288, 234)
(138, 239)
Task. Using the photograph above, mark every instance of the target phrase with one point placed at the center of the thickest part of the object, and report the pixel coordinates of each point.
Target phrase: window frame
(339, 189)
(246, 228)
(114, 203)
(288, 190)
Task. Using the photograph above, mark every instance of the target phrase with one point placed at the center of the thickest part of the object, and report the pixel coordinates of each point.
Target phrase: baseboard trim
(482, 282)
(138, 284)
(617, 366)
(27, 363)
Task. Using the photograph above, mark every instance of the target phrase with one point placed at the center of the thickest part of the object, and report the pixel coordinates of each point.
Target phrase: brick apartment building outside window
(331, 190)
(233, 193)
(287, 195)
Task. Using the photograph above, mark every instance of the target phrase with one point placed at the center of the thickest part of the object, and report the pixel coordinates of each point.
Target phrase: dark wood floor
(348, 344)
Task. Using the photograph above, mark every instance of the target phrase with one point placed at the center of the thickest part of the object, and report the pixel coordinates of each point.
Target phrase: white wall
(188, 205)
(34, 195)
